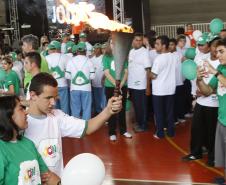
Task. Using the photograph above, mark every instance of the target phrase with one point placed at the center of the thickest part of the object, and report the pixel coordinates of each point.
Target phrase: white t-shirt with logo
(99, 71)
(80, 63)
(47, 132)
(164, 67)
(139, 60)
(199, 59)
(209, 101)
(60, 60)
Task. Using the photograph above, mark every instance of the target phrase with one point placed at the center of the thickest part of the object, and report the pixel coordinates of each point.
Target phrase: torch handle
(117, 88)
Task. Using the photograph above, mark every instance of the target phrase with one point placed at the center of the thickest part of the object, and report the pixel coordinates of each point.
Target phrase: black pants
(121, 116)
(180, 102)
(164, 114)
(139, 100)
(203, 130)
(188, 96)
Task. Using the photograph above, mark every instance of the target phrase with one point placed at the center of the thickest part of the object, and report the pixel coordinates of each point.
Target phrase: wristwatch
(217, 74)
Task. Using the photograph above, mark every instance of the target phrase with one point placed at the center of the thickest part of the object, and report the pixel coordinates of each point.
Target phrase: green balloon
(190, 53)
(189, 68)
(216, 25)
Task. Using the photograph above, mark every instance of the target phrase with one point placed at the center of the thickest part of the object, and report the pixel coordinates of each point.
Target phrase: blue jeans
(63, 102)
(99, 99)
(81, 102)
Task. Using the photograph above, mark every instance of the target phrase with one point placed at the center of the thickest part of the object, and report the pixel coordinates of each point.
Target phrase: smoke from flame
(83, 12)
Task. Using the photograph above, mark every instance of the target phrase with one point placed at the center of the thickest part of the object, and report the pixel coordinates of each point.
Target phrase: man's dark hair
(222, 42)
(7, 125)
(34, 57)
(181, 37)
(223, 30)
(31, 39)
(138, 34)
(164, 40)
(180, 31)
(40, 80)
(152, 42)
(173, 40)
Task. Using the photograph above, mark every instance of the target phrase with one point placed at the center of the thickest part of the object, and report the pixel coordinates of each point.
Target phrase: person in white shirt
(57, 63)
(99, 98)
(80, 72)
(89, 47)
(205, 112)
(47, 126)
(163, 74)
(139, 81)
(180, 90)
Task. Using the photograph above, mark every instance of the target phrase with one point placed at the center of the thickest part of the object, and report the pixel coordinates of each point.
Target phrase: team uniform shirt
(80, 71)
(109, 64)
(199, 59)
(89, 49)
(57, 63)
(221, 94)
(179, 77)
(164, 67)
(2, 78)
(63, 47)
(139, 61)
(152, 54)
(19, 69)
(12, 78)
(209, 101)
(20, 163)
(47, 132)
(44, 68)
(99, 71)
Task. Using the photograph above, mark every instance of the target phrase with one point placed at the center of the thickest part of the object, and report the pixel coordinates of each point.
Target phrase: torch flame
(83, 12)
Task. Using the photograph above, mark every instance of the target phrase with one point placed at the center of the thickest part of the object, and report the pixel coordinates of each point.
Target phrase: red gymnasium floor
(144, 160)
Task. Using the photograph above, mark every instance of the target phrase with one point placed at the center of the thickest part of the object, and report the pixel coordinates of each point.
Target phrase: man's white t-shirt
(153, 54)
(80, 63)
(57, 63)
(164, 67)
(47, 131)
(139, 60)
(209, 101)
(89, 49)
(179, 77)
(99, 71)
(199, 59)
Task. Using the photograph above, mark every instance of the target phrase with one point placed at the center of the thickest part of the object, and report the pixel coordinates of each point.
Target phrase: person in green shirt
(218, 83)
(30, 44)
(11, 83)
(20, 162)
(110, 83)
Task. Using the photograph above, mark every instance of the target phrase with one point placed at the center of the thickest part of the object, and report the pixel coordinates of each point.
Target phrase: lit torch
(121, 33)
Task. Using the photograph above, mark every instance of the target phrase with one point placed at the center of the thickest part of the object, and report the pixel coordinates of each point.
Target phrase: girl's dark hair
(7, 125)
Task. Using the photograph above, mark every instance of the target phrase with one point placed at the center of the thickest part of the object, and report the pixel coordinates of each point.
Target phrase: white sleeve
(156, 68)
(146, 59)
(71, 126)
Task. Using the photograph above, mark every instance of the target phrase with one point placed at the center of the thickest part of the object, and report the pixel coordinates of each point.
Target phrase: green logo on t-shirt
(57, 72)
(80, 79)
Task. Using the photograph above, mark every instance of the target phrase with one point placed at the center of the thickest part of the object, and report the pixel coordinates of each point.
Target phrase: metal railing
(170, 30)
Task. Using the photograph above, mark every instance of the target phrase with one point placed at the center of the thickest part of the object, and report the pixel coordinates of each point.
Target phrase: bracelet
(217, 74)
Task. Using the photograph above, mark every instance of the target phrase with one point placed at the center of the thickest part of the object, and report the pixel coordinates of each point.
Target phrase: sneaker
(219, 180)
(190, 157)
(127, 135)
(156, 137)
(181, 120)
(176, 123)
(188, 115)
(138, 129)
(113, 138)
(210, 163)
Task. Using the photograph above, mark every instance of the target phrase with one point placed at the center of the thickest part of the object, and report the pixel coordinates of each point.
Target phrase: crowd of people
(68, 88)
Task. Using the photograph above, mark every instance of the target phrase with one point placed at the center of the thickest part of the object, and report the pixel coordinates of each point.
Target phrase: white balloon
(84, 169)
(196, 34)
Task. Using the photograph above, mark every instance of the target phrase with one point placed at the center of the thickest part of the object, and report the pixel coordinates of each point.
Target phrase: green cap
(81, 46)
(69, 45)
(104, 45)
(97, 45)
(54, 45)
(203, 39)
(212, 37)
(82, 35)
(13, 55)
